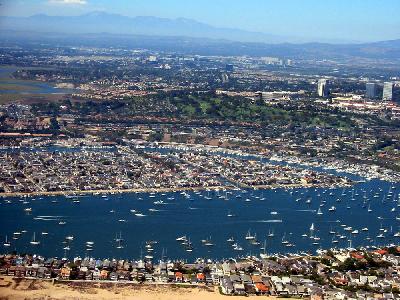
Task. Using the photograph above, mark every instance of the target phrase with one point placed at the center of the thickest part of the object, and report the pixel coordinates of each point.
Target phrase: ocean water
(203, 215)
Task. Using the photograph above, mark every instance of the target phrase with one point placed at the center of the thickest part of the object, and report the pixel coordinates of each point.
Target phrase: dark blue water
(200, 218)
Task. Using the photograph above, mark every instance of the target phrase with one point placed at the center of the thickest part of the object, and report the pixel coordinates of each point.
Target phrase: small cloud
(79, 2)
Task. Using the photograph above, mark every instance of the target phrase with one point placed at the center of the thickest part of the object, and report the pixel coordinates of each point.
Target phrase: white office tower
(323, 88)
(370, 90)
(387, 91)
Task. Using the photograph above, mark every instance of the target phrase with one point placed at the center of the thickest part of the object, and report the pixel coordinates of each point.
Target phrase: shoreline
(29, 288)
(172, 189)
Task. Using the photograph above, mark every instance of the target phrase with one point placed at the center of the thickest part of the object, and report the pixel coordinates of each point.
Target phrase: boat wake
(267, 221)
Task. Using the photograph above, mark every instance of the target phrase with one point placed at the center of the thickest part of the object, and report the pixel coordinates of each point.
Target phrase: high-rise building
(387, 91)
(229, 68)
(323, 90)
(370, 90)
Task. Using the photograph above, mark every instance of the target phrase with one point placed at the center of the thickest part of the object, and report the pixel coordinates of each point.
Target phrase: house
(239, 289)
(261, 288)
(65, 273)
(200, 277)
(104, 274)
(96, 274)
(246, 279)
(226, 285)
(178, 277)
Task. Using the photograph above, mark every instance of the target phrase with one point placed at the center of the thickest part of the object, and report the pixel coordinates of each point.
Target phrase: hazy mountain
(389, 50)
(177, 35)
(98, 22)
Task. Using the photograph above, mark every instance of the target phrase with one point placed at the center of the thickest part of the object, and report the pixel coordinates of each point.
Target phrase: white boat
(332, 208)
(69, 238)
(236, 247)
(273, 213)
(159, 202)
(319, 212)
(28, 209)
(230, 215)
(6, 243)
(364, 229)
(139, 215)
(182, 238)
(249, 236)
(34, 241)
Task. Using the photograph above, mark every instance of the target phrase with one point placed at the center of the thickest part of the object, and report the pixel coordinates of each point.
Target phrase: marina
(192, 224)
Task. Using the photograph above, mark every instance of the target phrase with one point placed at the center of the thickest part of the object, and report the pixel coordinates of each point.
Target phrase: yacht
(230, 240)
(236, 247)
(319, 212)
(180, 239)
(332, 208)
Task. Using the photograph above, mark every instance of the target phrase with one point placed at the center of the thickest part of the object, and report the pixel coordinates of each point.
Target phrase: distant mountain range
(179, 35)
(98, 22)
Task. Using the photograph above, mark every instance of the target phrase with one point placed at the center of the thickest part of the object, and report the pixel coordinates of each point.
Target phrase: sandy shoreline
(168, 190)
(19, 289)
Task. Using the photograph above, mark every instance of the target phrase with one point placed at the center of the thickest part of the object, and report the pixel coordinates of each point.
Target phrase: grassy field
(30, 98)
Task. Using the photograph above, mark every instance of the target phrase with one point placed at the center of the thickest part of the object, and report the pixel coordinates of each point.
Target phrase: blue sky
(355, 20)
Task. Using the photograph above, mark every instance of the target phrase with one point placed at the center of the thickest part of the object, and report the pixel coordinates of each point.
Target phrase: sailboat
(6, 243)
(249, 236)
(264, 248)
(312, 228)
(34, 241)
(319, 212)
(284, 240)
(230, 214)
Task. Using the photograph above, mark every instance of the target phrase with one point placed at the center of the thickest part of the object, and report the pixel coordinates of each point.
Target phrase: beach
(14, 288)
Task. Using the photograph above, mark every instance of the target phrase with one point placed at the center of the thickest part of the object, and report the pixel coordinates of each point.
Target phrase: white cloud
(79, 2)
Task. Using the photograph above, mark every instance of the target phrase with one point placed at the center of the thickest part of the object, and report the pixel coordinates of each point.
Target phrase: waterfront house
(104, 274)
(239, 289)
(261, 288)
(178, 277)
(226, 286)
(65, 273)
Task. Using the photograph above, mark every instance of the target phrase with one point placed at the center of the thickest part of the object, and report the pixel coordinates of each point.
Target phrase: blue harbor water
(280, 218)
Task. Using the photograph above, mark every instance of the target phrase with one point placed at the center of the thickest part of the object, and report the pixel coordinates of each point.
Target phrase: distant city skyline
(340, 20)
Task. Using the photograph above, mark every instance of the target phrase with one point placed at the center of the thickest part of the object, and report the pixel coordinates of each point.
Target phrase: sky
(342, 20)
